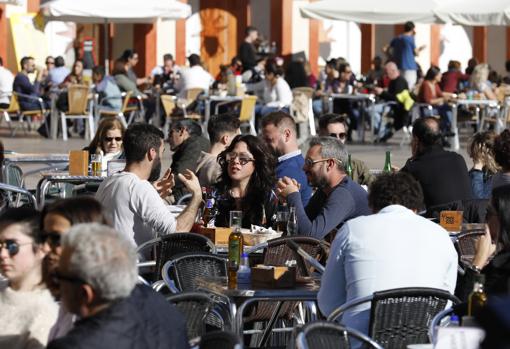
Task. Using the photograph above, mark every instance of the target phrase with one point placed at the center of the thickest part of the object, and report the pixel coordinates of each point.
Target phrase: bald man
(400, 115)
(443, 175)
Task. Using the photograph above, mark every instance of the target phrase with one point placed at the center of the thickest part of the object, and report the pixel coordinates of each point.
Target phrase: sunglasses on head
(110, 139)
(341, 135)
(53, 239)
(12, 246)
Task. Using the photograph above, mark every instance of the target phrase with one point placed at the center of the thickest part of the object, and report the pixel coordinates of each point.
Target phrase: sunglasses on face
(341, 135)
(110, 139)
(311, 162)
(59, 277)
(12, 246)
(52, 239)
(243, 158)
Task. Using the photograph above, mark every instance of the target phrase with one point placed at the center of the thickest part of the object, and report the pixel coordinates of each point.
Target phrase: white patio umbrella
(475, 12)
(113, 11)
(374, 11)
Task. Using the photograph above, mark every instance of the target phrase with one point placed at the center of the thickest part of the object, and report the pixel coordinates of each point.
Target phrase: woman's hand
(484, 249)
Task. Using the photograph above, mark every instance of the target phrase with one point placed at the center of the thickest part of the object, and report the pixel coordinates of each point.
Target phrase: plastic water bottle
(454, 321)
(244, 271)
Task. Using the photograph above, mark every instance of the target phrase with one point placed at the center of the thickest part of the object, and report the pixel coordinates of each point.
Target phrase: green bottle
(348, 167)
(387, 163)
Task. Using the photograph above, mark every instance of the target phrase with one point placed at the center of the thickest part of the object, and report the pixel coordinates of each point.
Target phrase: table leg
(53, 116)
(41, 191)
(455, 130)
(270, 324)
(207, 114)
(330, 104)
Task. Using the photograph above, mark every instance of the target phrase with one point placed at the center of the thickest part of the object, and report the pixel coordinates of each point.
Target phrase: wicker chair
(330, 335)
(459, 310)
(220, 340)
(166, 247)
(195, 306)
(401, 316)
(465, 243)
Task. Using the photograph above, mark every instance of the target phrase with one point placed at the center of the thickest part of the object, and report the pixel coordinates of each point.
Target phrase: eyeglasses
(53, 239)
(341, 135)
(49, 62)
(110, 139)
(12, 246)
(243, 158)
(310, 162)
(58, 277)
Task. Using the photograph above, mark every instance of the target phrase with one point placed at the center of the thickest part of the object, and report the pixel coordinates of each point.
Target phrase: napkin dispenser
(78, 163)
(218, 235)
(273, 276)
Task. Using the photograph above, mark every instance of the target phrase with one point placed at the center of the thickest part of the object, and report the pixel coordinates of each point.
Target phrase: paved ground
(372, 154)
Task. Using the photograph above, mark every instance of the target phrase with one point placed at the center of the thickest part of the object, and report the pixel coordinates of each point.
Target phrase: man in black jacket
(443, 175)
(187, 143)
(98, 274)
(400, 115)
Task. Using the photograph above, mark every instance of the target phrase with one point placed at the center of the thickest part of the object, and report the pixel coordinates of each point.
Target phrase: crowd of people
(69, 273)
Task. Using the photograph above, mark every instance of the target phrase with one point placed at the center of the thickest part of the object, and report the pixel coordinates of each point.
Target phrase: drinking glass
(236, 218)
(281, 221)
(96, 164)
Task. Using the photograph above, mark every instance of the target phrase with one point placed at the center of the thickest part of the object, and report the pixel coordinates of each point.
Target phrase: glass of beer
(96, 164)
(281, 221)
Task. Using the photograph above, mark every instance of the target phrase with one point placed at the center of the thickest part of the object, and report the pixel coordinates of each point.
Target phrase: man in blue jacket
(279, 132)
(98, 274)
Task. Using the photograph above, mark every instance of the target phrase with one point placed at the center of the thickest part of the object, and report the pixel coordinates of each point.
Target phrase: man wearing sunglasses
(280, 133)
(97, 274)
(337, 198)
(334, 125)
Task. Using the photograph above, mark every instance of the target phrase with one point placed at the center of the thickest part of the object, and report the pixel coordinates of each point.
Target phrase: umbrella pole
(106, 44)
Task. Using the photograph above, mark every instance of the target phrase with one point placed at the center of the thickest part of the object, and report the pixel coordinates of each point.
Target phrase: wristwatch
(475, 269)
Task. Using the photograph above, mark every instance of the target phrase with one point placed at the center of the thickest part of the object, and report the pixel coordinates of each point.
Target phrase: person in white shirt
(277, 94)
(392, 248)
(6, 80)
(134, 205)
(193, 77)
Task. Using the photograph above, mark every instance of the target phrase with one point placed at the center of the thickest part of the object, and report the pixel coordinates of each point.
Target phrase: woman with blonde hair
(479, 81)
(481, 151)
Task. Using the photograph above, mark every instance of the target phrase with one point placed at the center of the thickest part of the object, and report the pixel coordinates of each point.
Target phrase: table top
(36, 157)
(218, 285)
(352, 96)
(475, 102)
(221, 98)
(64, 176)
(469, 227)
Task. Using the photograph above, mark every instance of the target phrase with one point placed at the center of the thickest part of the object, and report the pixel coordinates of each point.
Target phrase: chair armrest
(18, 190)
(39, 99)
(346, 306)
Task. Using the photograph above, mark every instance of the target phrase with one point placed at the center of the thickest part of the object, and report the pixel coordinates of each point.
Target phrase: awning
(475, 12)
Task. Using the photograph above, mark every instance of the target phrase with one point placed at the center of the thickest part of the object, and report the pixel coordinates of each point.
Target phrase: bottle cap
(244, 254)
(454, 317)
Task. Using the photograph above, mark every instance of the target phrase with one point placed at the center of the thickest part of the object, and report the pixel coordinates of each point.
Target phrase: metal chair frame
(12, 189)
(345, 332)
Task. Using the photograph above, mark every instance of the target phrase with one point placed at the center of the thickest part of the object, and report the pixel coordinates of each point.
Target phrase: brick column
(480, 43)
(144, 43)
(281, 26)
(3, 34)
(435, 49)
(180, 40)
(367, 46)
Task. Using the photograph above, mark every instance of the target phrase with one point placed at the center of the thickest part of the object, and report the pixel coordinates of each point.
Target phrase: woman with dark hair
(277, 94)
(246, 182)
(28, 310)
(481, 151)
(130, 57)
(76, 75)
(496, 239)
(430, 93)
(502, 156)
(56, 220)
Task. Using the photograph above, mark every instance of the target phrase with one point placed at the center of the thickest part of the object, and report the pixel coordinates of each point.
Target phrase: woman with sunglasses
(108, 140)
(246, 182)
(28, 311)
(56, 220)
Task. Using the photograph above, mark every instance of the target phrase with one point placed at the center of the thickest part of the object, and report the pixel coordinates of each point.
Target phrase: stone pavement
(372, 154)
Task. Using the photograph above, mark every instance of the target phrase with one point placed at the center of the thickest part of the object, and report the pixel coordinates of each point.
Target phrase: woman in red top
(430, 93)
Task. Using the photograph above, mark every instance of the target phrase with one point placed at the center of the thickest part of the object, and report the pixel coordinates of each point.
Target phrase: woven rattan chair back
(330, 335)
(277, 252)
(77, 98)
(466, 245)
(168, 103)
(220, 340)
(402, 316)
(186, 268)
(173, 244)
(195, 306)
